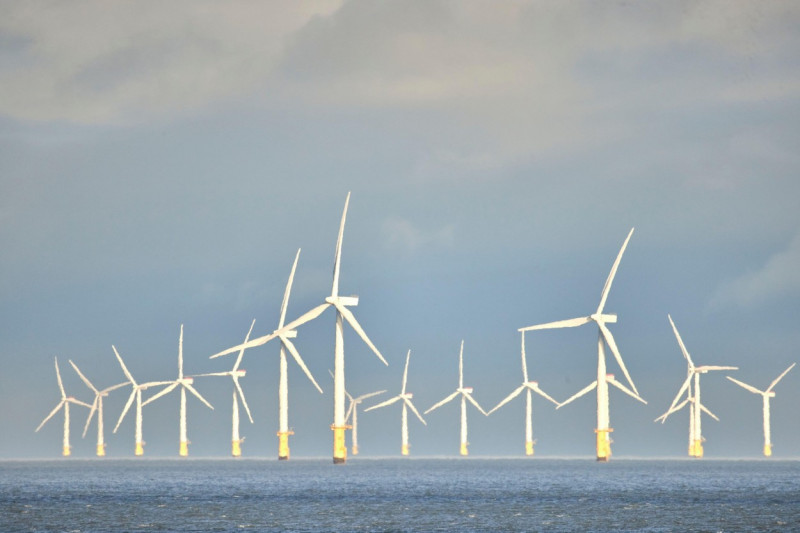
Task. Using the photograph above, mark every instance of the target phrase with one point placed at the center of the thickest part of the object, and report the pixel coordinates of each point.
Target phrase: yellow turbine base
(236, 448)
(768, 450)
(603, 444)
(184, 449)
(696, 449)
(66, 451)
(529, 447)
(464, 450)
(283, 445)
(101, 450)
(404, 449)
(339, 447)
(139, 449)
(355, 449)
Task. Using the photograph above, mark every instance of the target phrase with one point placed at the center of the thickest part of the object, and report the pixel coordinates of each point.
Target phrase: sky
(161, 164)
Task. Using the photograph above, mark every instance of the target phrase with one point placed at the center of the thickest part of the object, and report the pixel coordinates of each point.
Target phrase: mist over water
(399, 495)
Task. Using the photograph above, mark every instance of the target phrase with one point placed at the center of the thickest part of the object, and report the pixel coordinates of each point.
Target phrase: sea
(392, 494)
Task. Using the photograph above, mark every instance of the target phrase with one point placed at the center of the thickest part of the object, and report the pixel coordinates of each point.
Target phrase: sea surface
(417, 494)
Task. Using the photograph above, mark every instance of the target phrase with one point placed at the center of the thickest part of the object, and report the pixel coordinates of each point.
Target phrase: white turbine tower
(603, 379)
(136, 394)
(235, 373)
(765, 395)
(185, 383)
(284, 333)
(64, 403)
(97, 407)
(352, 411)
(406, 398)
(692, 397)
(529, 387)
(466, 394)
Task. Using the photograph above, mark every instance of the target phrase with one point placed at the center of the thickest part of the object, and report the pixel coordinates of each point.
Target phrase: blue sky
(161, 165)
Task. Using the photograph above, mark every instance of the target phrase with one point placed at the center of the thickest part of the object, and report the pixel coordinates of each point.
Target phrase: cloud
(778, 277)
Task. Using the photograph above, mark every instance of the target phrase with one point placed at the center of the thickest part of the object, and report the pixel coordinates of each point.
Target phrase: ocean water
(416, 494)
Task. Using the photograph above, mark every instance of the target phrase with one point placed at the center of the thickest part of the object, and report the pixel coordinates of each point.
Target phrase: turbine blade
(441, 403)
(349, 410)
(213, 374)
(578, 394)
(610, 279)
(83, 378)
(60, 384)
(671, 410)
(775, 382)
(244, 401)
(569, 323)
(542, 393)
(125, 410)
(414, 410)
(241, 352)
(680, 343)
(124, 368)
(390, 401)
(305, 317)
(78, 402)
(626, 390)
(709, 413)
(89, 418)
(745, 386)
(507, 399)
(114, 387)
(680, 393)
(52, 413)
(405, 372)
(299, 360)
(288, 290)
(461, 365)
(180, 354)
(368, 395)
(357, 327)
(706, 368)
(613, 345)
(162, 392)
(524, 362)
(338, 257)
(473, 402)
(199, 397)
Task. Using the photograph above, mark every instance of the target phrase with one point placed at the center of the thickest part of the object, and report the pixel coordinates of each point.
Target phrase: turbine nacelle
(532, 383)
(239, 373)
(600, 317)
(288, 334)
(770, 394)
(346, 301)
(408, 395)
(186, 380)
(467, 390)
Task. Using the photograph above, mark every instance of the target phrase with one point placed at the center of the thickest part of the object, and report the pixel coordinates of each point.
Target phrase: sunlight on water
(398, 495)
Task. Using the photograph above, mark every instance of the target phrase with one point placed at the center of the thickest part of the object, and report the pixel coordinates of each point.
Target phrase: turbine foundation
(768, 450)
(528, 447)
(404, 449)
(139, 449)
(184, 448)
(236, 448)
(66, 451)
(339, 446)
(283, 445)
(603, 444)
(464, 450)
(101, 450)
(696, 449)
(354, 450)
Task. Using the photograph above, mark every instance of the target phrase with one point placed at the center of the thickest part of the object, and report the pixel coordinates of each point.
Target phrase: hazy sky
(161, 164)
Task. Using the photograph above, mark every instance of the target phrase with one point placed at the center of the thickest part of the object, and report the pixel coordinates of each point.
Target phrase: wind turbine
(692, 397)
(766, 395)
(406, 398)
(136, 393)
(284, 333)
(65, 401)
(529, 387)
(352, 411)
(185, 382)
(603, 379)
(235, 373)
(466, 394)
(97, 407)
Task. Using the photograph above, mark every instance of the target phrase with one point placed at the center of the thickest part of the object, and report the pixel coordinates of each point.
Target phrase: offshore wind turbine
(692, 397)
(765, 395)
(235, 373)
(64, 403)
(466, 394)
(529, 387)
(185, 383)
(97, 407)
(407, 404)
(352, 411)
(603, 379)
(284, 333)
(136, 394)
